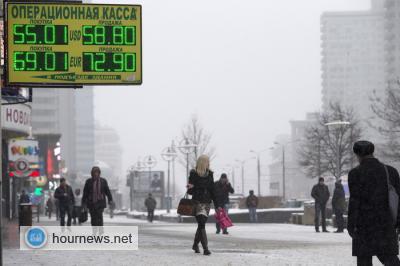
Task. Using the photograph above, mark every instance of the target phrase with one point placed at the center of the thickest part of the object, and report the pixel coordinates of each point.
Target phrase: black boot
(204, 242)
(197, 238)
(218, 228)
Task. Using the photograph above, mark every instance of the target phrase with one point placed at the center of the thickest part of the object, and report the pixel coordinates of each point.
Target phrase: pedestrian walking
(150, 204)
(57, 205)
(252, 204)
(24, 198)
(370, 222)
(339, 205)
(77, 206)
(66, 201)
(94, 196)
(222, 190)
(201, 187)
(320, 193)
(49, 206)
(112, 211)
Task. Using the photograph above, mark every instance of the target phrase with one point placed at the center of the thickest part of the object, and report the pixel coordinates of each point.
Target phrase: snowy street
(170, 244)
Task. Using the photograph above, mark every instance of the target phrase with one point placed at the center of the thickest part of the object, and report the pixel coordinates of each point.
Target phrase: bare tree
(195, 133)
(327, 150)
(387, 109)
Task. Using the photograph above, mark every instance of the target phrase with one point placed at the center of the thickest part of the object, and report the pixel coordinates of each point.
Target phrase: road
(170, 244)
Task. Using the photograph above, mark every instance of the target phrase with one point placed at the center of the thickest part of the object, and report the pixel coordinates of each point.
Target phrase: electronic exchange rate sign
(73, 44)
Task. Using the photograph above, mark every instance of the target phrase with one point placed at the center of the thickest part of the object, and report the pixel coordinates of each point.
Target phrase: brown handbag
(187, 206)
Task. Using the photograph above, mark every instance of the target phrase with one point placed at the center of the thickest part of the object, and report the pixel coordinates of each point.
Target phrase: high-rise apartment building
(65, 117)
(353, 60)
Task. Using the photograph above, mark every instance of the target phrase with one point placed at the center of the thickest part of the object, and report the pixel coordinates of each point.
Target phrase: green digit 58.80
(108, 35)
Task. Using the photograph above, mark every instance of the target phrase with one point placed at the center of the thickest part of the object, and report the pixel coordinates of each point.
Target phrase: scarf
(97, 195)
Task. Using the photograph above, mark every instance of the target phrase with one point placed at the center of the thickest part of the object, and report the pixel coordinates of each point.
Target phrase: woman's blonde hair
(202, 165)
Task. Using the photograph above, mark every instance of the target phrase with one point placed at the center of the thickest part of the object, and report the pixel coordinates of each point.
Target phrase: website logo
(35, 237)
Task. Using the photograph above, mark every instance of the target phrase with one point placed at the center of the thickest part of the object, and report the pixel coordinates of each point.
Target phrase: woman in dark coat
(201, 187)
(370, 223)
(339, 205)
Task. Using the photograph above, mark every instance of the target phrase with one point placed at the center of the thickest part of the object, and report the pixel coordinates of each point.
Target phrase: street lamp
(138, 166)
(168, 155)
(186, 147)
(173, 149)
(150, 162)
(283, 170)
(258, 169)
(337, 124)
(242, 162)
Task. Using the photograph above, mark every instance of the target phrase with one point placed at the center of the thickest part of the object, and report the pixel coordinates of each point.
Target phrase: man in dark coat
(49, 206)
(320, 193)
(222, 190)
(252, 204)
(24, 198)
(370, 223)
(150, 204)
(66, 201)
(339, 205)
(94, 196)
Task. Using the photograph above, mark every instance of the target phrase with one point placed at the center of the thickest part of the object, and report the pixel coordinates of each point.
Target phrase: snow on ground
(273, 232)
(212, 211)
(170, 244)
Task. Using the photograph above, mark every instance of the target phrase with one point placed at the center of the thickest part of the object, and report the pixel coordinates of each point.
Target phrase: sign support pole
(1, 189)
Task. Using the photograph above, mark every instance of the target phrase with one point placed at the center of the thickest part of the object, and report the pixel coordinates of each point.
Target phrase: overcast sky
(245, 67)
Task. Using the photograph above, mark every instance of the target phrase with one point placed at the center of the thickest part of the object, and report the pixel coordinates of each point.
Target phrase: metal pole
(150, 174)
(168, 196)
(283, 173)
(259, 175)
(243, 179)
(319, 158)
(233, 177)
(187, 166)
(173, 178)
(1, 190)
(338, 157)
(131, 177)
(351, 146)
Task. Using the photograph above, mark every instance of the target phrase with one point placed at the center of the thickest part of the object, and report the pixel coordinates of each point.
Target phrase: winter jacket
(65, 196)
(252, 201)
(24, 198)
(369, 220)
(87, 198)
(203, 189)
(49, 205)
(320, 193)
(150, 203)
(339, 198)
(222, 192)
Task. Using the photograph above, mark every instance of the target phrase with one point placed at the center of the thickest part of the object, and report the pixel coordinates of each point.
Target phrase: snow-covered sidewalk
(170, 244)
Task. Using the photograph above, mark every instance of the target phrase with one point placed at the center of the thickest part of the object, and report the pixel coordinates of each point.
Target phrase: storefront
(16, 124)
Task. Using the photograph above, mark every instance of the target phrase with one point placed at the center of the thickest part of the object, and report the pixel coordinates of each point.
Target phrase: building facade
(109, 151)
(353, 61)
(392, 40)
(285, 167)
(64, 119)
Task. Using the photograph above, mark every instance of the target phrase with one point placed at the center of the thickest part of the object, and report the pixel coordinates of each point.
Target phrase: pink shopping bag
(223, 219)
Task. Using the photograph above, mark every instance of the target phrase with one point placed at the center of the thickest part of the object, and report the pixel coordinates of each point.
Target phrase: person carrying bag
(201, 187)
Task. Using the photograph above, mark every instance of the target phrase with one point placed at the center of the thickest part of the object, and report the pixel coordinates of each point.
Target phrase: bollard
(25, 214)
